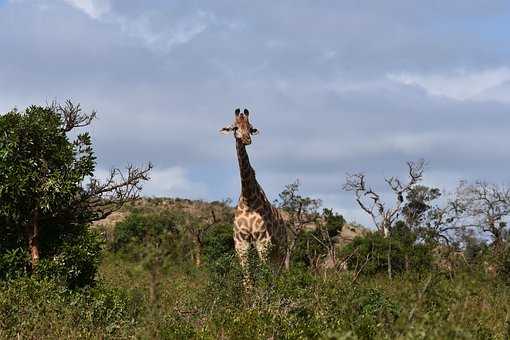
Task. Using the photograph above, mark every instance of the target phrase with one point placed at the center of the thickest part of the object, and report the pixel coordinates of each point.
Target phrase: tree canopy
(44, 198)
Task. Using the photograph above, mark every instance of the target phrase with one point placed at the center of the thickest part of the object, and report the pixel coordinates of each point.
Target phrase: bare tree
(72, 115)
(104, 197)
(100, 198)
(485, 207)
(384, 215)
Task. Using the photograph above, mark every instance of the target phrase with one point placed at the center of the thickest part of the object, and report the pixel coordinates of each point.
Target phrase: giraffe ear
(254, 131)
(226, 130)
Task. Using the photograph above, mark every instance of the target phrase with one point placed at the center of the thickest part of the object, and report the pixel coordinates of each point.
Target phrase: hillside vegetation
(148, 286)
(85, 258)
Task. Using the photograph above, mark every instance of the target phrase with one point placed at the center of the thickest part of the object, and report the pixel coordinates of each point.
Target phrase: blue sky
(334, 87)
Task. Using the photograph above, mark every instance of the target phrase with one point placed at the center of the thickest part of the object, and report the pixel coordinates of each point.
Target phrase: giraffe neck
(249, 185)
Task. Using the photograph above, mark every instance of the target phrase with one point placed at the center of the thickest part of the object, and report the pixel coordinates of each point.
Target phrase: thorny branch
(72, 115)
(107, 196)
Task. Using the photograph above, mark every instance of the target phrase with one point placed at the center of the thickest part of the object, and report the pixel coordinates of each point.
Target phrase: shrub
(369, 255)
(219, 243)
(70, 256)
(31, 308)
(500, 260)
(75, 261)
(139, 227)
(13, 263)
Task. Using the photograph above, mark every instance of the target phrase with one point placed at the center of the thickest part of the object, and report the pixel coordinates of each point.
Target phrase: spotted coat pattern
(257, 223)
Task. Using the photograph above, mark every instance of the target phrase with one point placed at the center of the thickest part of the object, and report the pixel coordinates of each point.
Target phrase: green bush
(75, 261)
(13, 263)
(310, 244)
(31, 308)
(369, 255)
(69, 255)
(139, 227)
(307, 248)
(500, 260)
(219, 243)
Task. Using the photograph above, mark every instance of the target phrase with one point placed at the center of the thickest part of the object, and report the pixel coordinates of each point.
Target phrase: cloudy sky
(335, 87)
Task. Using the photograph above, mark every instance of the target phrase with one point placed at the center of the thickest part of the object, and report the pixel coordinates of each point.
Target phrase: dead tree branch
(105, 197)
(72, 115)
(382, 215)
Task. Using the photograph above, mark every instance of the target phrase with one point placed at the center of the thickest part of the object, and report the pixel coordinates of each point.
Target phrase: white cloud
(144, 26)
(167, 182)
(173, 182)
(163, 39)
(93, 8)
(460, 85)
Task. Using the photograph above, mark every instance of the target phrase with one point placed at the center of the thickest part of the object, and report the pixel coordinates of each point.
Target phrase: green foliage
(13, 263)
(39, 167)
(311, 246)
(219, 243)
(292, 202)
(210, 302)
(369, 254)
(333, 222)
(75, 260)
(41, 172)
(139, 228)
(308, 248)
(418, 202)
(499, 259)
(32, 308)
(475, 250)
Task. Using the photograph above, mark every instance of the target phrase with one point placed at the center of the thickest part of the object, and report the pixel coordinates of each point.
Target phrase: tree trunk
(198, 254)
(389, 260)
(287, 260)
(497, 243)
(288, 253)
(153, 285)
(386, 230)
(33, 238)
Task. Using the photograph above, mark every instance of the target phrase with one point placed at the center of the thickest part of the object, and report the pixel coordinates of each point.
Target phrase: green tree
(418, 202)
(373, 253)
(45, 204)
(300, 213)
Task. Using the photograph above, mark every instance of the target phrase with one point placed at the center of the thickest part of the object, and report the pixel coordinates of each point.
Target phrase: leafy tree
(45, 206)
(332, 222)
(202, 221)
(138, 228)
(418, 202)
(373, 253)
(152, 242)
(299, 212)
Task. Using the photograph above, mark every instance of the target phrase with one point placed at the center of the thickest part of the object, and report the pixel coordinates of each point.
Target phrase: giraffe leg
(263, 247)
(242, 248)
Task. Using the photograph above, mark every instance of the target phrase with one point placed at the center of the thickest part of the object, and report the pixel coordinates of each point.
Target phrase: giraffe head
(242, 128)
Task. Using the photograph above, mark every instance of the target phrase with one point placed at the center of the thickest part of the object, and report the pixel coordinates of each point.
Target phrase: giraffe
(256, 221)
